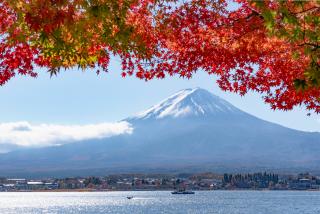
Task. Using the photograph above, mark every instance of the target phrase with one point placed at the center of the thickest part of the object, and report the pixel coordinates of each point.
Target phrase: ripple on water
(231, 202)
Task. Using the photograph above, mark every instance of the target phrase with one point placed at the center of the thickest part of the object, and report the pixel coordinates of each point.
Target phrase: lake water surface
(229, 202)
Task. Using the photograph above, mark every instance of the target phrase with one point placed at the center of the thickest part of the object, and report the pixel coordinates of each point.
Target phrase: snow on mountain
(188, 102)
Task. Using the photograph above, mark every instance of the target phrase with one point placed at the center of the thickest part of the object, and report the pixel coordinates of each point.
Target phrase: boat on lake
(182, 192)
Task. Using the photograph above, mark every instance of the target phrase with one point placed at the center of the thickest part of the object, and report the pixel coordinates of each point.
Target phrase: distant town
(139, 182)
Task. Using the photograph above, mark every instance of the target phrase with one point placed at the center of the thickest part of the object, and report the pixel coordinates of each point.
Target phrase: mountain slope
(191, 129)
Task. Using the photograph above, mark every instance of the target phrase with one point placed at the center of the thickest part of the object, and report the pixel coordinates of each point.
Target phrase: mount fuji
(192, 130)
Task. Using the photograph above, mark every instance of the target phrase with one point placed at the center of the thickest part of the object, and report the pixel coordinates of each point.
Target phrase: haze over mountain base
(192, 130)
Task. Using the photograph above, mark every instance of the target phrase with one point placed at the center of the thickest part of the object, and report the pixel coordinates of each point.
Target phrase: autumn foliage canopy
(271, 47)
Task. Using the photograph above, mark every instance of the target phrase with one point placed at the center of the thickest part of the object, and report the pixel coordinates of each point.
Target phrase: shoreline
(143, 190)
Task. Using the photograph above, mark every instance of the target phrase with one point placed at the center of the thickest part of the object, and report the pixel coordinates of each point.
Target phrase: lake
(229, 202)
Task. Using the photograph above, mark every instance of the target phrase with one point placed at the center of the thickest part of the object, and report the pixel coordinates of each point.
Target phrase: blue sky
(77, 97)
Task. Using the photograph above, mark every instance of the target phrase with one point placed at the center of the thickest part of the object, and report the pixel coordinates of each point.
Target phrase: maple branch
(305, 11)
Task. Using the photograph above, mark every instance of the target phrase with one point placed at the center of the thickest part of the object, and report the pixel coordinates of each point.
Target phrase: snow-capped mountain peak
(188, 102)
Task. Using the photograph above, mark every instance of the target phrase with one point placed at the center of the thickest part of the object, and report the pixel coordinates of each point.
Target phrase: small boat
(129, 197)
(182, 192)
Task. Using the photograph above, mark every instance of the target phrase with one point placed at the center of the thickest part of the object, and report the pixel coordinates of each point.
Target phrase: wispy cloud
(26, 134)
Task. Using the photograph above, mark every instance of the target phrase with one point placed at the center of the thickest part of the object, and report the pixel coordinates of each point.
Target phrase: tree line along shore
(150, 182)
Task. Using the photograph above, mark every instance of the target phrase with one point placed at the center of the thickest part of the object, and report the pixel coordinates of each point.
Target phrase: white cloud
(26, 134)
